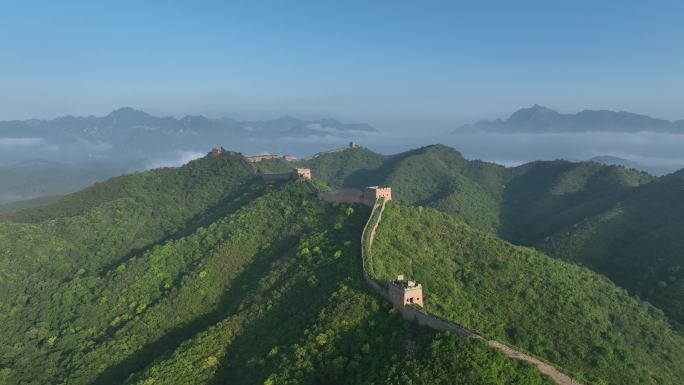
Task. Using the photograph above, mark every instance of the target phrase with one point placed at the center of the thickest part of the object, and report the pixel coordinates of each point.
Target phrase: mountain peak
(538, 107)
(127, 113)
(535, 114)
(540, 119)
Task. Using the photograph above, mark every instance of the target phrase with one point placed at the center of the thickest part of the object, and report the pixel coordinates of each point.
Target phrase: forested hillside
(637, 241)
(541, 198)
(437, 176)
(620, 222)
(351, 167)
(206, 275)
(561, 312)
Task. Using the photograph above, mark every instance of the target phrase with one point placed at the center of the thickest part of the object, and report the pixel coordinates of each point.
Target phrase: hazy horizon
(390, 64)
(416, 72)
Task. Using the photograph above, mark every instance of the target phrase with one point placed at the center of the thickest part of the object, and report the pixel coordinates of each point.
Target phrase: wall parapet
(365, 247)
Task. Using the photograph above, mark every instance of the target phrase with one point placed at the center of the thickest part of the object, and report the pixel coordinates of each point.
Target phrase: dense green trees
(622, 223)
(351, 167)
(207, 275)
(637, 242)
(565, 313)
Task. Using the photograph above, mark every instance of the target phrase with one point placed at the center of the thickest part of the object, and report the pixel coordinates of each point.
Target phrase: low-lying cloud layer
(657, 153)
(178, 158)
(656, 150)
(16, 143)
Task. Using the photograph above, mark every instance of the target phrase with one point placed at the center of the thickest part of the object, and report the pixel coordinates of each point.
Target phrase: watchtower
(372, 193)
(217, 150)
(301, 173)
(404, 294)
(353, 145)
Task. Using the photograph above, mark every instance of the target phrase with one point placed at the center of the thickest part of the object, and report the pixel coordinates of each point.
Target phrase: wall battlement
(367, 196)
(268, 156)
(372, 193)
(295, 174)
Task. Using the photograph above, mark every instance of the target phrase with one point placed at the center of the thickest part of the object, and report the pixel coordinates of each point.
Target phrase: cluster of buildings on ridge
(290, 158)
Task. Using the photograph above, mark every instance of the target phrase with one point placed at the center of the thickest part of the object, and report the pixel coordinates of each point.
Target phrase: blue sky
(392, 63)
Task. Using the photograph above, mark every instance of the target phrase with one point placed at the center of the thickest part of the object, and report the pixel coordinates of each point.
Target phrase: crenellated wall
(347, 195)
(437, 323)
(283, 176)
(296, 174)
(367, 196)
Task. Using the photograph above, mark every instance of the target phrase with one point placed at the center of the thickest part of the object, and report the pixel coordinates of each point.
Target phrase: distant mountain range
(133, 135)
(539, 119)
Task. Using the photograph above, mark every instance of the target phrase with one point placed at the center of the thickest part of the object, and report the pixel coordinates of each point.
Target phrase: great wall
(413, 312)
(377, 197)
(290, 158)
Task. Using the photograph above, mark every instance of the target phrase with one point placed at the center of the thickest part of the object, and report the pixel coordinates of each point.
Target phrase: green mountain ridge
(554, 206)
(563, 313)
(206, 275)
(639, 239)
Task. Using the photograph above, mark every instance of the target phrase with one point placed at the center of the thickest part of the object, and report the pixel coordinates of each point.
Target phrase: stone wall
(259, 158)
(296, 174)
(373, 193)
(367, 196)
(283, 176)
(424, 319)
(248, 167)
(348, 195)
(382, 291)
(375, 285)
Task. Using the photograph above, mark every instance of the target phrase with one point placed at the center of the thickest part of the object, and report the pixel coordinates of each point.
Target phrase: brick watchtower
(372, 193)
(301, 173)
(404, 294)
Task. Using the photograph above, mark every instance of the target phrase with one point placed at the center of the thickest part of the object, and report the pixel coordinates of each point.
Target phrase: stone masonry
(368, 196)
(302, 173)
(373, 193)
(405, 294)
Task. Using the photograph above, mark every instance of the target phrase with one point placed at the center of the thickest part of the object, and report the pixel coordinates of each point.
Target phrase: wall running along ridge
(437, 323)
(424, 319)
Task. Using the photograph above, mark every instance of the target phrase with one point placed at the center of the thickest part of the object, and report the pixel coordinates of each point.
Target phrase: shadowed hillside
(637, 242)
(207, 275)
